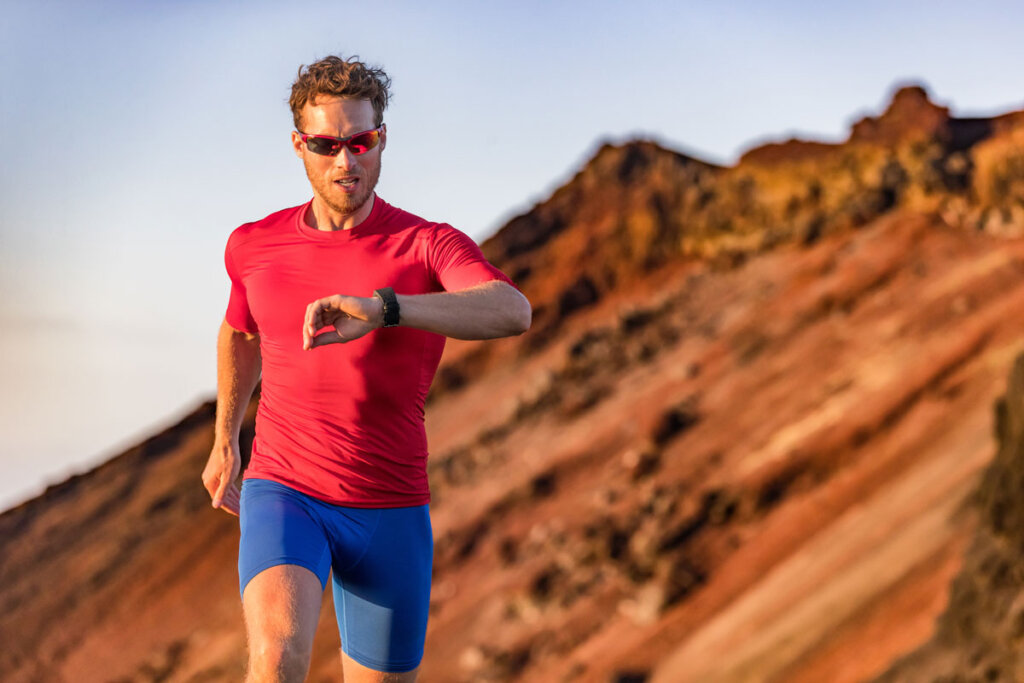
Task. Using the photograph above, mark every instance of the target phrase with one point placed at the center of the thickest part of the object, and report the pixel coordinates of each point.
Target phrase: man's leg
(282, 608)
(357, 673)
(382, 572)
(283, 564)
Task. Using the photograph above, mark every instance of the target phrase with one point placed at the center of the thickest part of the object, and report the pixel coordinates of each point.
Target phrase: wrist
(224, 438)
(388, 302)
(377, 311)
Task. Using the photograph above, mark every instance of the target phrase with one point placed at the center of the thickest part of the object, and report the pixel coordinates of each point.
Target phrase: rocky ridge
(738, 444)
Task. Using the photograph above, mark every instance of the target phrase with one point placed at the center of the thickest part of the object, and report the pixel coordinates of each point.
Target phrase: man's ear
(297, 144)
(383, 136)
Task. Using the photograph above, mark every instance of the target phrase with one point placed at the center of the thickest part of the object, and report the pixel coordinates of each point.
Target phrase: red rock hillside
(740, 442)
(978, 636)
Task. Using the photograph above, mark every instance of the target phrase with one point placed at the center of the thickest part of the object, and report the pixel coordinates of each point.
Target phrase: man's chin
(348, 205)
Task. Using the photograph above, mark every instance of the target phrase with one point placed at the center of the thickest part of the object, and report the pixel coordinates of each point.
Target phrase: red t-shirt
(344, 422)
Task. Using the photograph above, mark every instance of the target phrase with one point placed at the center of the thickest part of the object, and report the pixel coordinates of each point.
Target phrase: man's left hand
(350, 316)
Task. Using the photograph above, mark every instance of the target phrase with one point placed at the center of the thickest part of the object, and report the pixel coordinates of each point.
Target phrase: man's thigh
(282, 609)
(382, 591)
(283, 565)
(279, 526)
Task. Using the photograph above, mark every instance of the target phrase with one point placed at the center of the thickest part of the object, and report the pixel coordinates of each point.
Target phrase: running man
(343, 304)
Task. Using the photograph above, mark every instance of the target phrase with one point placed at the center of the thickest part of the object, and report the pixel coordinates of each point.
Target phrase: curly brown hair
(338, 77)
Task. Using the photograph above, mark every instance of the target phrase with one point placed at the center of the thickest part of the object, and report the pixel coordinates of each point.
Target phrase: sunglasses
(359, 143)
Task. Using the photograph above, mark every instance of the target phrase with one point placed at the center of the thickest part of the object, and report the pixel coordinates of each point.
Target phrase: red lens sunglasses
(359, 143)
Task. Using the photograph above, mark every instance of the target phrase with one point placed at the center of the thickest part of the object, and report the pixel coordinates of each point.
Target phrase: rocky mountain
(978, 635)
(743, 441)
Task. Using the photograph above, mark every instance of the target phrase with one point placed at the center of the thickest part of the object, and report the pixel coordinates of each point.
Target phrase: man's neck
(323, 217)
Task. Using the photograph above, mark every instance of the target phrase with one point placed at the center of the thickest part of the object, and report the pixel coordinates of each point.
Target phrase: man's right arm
(238, 370)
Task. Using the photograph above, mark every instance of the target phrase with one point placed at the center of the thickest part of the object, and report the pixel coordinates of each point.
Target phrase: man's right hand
(220, 474)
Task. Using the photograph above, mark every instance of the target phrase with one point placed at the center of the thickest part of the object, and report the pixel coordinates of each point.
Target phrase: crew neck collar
(338, 235)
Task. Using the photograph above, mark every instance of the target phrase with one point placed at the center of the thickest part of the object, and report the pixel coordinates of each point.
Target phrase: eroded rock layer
(739, 443)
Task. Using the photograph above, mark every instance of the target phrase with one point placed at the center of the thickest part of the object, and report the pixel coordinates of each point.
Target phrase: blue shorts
(380, 558)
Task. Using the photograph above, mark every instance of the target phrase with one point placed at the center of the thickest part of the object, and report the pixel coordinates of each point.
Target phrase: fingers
(340, 312)
(232, 500)
(228, 498)
(308, 329)
(220, 473)
(222, 487)
(316, 319)
(329, 337)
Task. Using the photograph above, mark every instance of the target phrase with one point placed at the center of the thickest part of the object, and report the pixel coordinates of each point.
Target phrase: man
(343, 303)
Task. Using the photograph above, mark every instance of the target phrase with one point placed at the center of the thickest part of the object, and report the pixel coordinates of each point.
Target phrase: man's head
(336, 77)
(340, 98)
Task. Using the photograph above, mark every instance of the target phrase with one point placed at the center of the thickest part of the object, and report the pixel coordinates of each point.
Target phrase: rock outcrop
(979, 635)
(739, 442)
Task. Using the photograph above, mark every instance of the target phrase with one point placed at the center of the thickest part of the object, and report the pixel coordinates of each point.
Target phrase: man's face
(344, 182)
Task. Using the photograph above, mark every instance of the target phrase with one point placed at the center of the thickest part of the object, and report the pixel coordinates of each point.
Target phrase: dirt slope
(978, 636)
(738, 444)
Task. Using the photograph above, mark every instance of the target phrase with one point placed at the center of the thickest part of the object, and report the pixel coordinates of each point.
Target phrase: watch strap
(390, 301)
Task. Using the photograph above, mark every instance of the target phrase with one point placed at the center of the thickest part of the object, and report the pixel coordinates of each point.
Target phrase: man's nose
(345, 159)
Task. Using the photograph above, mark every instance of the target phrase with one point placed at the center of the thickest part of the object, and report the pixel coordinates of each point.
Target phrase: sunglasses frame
(343, 143)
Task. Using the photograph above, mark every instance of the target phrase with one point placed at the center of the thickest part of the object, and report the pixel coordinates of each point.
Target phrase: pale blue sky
(137, 135)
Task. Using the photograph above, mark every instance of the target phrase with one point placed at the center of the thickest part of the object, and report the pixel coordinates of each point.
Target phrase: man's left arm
(488, 310)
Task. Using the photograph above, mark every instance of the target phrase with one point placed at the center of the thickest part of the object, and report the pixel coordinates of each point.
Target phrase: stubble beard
(337, 200)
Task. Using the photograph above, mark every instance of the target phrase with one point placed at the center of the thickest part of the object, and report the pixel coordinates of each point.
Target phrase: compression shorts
(380, 560)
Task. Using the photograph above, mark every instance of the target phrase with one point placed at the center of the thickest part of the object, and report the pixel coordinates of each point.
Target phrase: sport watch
(387, 296)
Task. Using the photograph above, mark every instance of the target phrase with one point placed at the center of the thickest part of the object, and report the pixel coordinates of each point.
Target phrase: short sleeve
(238, 314)
(457, 262)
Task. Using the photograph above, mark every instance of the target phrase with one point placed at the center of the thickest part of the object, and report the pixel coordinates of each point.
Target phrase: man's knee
(278, 660)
